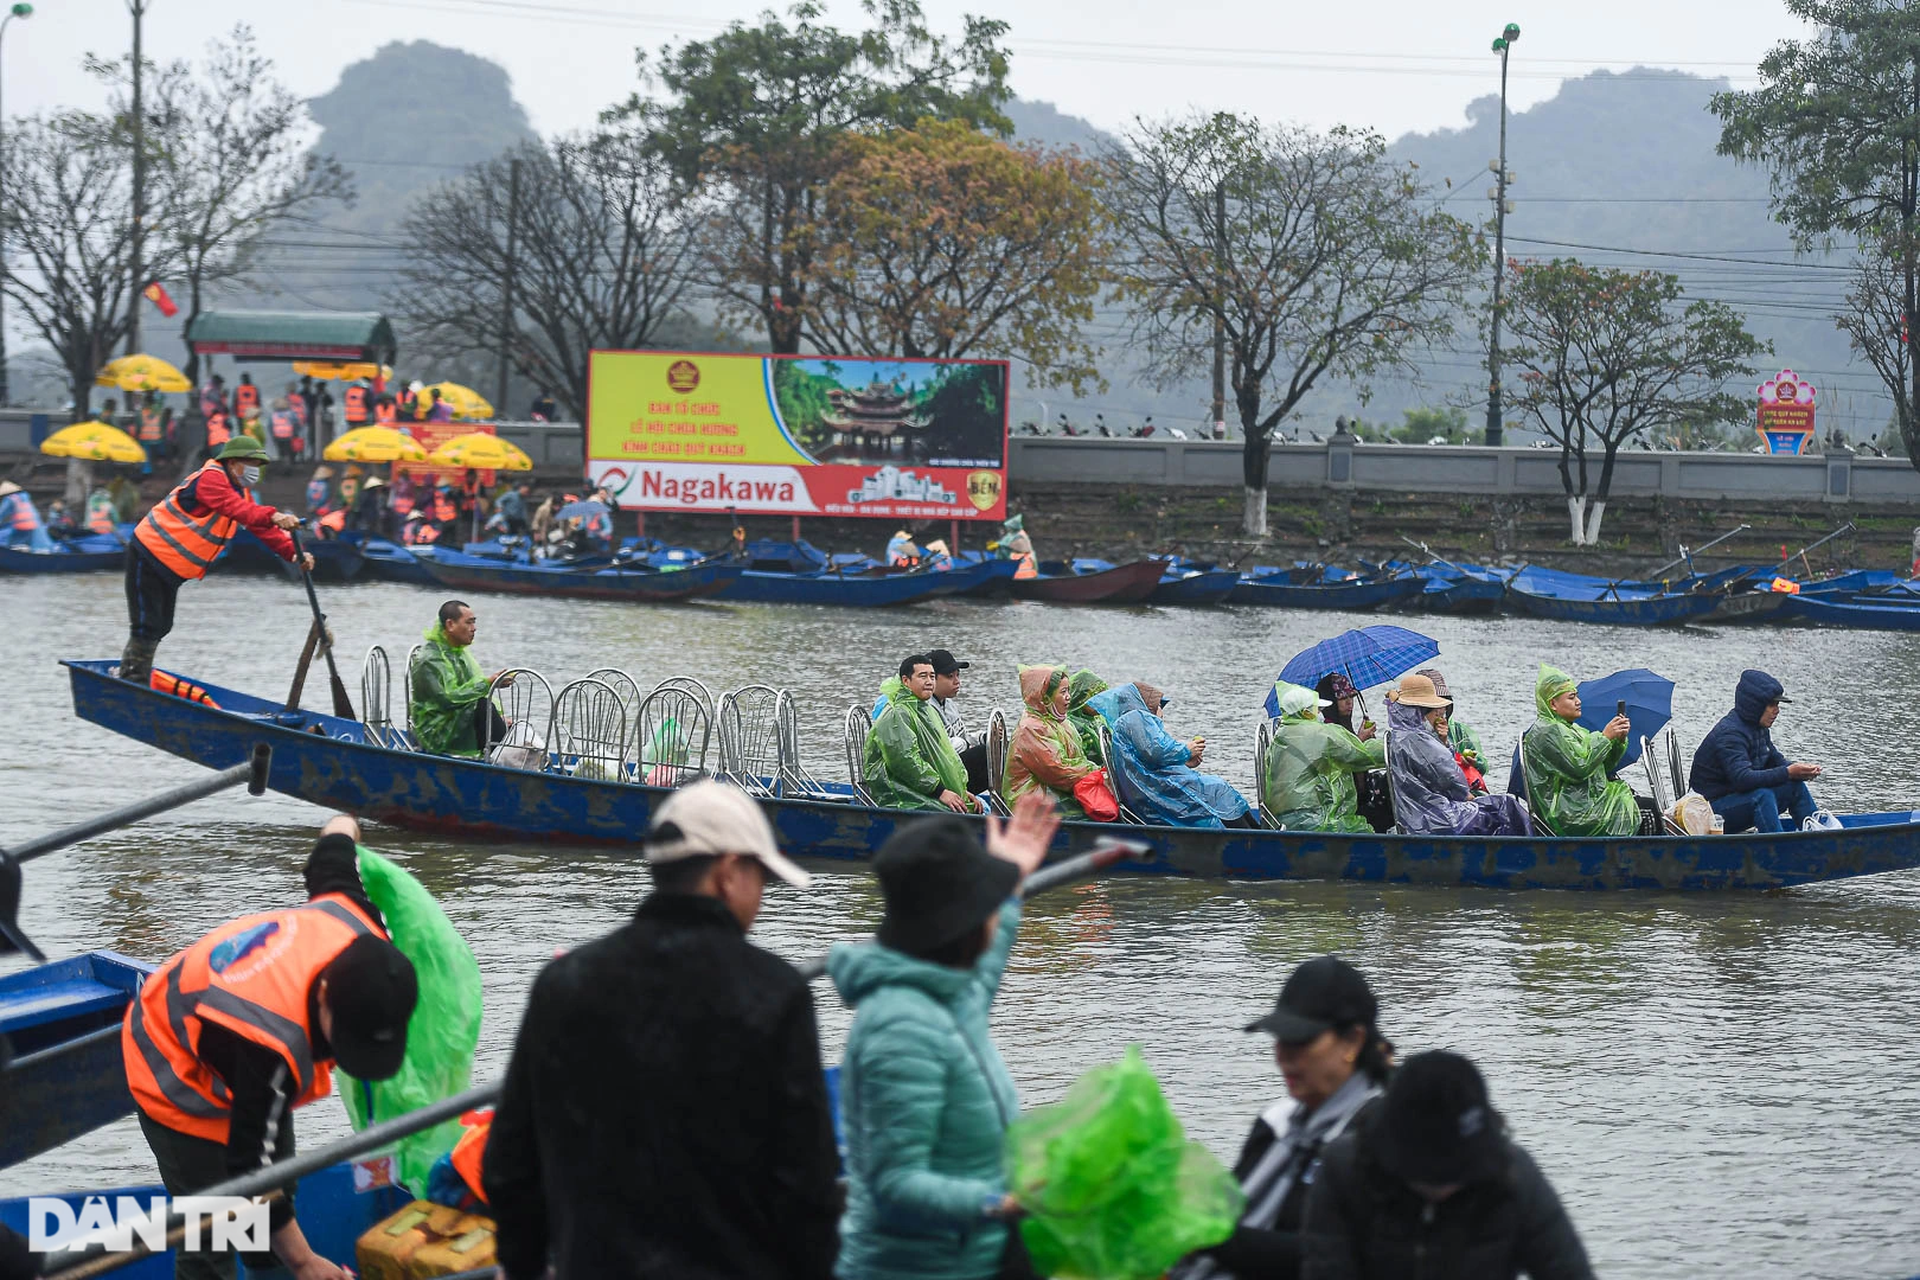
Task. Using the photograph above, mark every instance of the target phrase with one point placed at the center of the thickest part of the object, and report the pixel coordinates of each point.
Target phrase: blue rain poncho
(1430, 793)
(1151, 771)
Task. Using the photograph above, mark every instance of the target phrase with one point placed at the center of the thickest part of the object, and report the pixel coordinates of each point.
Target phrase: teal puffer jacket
(926, 1102)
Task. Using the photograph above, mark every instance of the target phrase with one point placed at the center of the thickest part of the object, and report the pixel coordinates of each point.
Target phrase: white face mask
(250, 474)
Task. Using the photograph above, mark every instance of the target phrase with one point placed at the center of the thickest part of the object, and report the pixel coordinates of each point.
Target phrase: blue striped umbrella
(1368, 656)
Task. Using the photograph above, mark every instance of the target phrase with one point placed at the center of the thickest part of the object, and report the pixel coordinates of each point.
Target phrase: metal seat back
(795, 777)
(376, 682)
(1262, 742)
(997, 740)
(527, 706)
(1116, 776)
(591, 735)
(1676, 763)
(750, 740)
(623, 684)
(672, 733)
(855, 727)
(406, 684)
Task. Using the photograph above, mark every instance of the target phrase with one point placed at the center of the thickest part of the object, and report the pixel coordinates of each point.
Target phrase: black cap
(1323, 993)
(944, 664)
(371, 991)
(1437, 1124)
(938, 883)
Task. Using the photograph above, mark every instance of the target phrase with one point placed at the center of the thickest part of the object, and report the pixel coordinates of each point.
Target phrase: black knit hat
(939, 883)
(1437, 1125)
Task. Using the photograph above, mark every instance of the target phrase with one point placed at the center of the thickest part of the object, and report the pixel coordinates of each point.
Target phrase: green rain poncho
(1083, 686)
(908, 760)
(1310, 768)
(447, 685)
(1044, 753)
(1566, 770)
(1463, 740)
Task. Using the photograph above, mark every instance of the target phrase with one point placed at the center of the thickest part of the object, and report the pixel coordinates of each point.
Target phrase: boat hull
(1864, 617)
(1126, 584)
(62, 1021)
(1196, 589)
(469, 573)
(62, 560)
(1461, 596)
(326, 761)
(884, 590)
(1322, 595)
(1654, 611)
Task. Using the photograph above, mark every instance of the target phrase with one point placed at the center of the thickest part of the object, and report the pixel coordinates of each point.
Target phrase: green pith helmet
(242, 446)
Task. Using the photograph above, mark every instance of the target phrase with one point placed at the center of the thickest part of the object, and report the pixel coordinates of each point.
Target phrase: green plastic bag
(1113, 1188)
(444, 1030)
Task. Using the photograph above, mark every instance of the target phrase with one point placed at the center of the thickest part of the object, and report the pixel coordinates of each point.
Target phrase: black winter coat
(665, 1115)
(1738, 756)
(1364, 1224)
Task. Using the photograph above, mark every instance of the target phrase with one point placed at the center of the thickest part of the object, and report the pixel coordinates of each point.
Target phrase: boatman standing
(181, 538)
(230, 1035)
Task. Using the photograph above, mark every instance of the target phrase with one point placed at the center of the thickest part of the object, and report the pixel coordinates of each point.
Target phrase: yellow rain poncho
(1566, 770)
(1310, 768)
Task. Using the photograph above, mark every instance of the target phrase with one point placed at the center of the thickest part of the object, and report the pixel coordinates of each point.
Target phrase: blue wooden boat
(1276, 589)
(637, 582)
(64, 558)
(383, 560)
(329, 762)
(335, 560)
(62, 1023)
(1196, 587)
(1856, 613)
(865, 590)
(1546, 593)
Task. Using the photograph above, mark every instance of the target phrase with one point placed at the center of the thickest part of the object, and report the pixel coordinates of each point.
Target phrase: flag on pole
(155, 294)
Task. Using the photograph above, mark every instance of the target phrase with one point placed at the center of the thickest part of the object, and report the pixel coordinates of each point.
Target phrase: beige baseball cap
(707, 818)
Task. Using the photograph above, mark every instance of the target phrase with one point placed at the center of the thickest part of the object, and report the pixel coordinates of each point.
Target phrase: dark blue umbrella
(1649, 699)
(582, 510)
(1366, 655)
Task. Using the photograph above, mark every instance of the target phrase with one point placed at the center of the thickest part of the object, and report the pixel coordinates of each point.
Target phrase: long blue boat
(330, 762)
(1856, 613)
(1195, 587)
(62, 1023)
(638, 583)
(89, 553)
(383, 560)
(866, 590)
(1276, 590)
(1564, 597)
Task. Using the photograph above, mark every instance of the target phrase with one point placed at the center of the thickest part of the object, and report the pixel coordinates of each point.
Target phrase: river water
(1717, 1084)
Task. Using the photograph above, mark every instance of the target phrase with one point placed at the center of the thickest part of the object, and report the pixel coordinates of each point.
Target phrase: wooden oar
(342, 705)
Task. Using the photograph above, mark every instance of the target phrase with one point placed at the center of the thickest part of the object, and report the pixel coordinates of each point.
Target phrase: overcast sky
(1393, 65)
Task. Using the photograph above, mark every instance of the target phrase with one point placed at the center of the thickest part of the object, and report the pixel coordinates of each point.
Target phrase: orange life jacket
(22, 516)
(1029, 567)
(186, 545)
(217, 432)
(100, 516)
(166, 683)
(444, 508)
(355, 401)
(385, 413)
(335, 520)
(246, 398)
(250, 976)
(284, 422)
(469, 1154)
(149, 424)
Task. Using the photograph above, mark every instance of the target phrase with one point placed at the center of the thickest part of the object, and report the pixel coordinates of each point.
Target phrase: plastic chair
(376, 680)
(854, 730)
(750, 740)
(672, 733)
(589, 733)
(527, 706)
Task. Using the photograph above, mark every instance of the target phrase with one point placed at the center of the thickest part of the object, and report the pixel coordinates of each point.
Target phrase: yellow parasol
(466, 402)
(335, 371)
(95, 442)
(481, 452)
(375, 444)
(141, 373)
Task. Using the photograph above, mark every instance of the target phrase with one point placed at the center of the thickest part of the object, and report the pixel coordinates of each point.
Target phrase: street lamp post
(138, 8)
(17, 11)
(1502, 45)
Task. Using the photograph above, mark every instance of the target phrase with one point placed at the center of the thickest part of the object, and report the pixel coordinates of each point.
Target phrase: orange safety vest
(100, 516)
(356, 405)
(283, 424)
(19, 506)
(149, 424)
(165, 682)
(469, 1154)
(183, 544)
(252, 977)
(1029, 568)
(217, 432)
(246, 397)
(335, 520)
(444, 508)
(385, 413)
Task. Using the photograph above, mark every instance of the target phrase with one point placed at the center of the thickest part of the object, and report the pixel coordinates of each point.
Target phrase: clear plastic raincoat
(1566, 770)
(1082, 687)
(908, 760)
(447, 685)
(1044, 753)
(1310, 768)
(1430, 794)
(1150, 769)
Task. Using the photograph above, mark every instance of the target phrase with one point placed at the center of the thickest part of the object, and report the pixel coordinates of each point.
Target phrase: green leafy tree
(757, 117)
(1836, 121)
(1605, 355)
(1425, 425)
(1315, 254)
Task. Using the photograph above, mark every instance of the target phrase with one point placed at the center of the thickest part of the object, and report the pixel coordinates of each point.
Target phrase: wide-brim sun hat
(1418, 691)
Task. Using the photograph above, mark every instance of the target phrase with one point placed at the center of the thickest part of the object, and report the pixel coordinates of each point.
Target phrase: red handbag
(1096, 797)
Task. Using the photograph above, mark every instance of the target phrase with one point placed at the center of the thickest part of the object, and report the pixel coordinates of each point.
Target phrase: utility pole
(138, 8)
(1219, 311)
(506, 291)
(17, 11)
(1502, 45)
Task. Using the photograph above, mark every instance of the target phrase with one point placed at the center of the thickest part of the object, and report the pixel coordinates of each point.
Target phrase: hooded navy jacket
(1738, 756)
